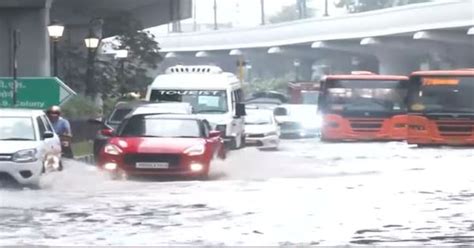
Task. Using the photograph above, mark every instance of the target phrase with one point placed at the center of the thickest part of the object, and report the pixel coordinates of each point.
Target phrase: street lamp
(55, 31)
(92, 41)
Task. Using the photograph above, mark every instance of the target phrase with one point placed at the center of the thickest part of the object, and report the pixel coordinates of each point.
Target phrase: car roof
(264, 100)
(195, 81)
(164, 108)
(459, 72)
(128, 105)
(20, 112)
(366, 77)
(298, 106)
(172, 116)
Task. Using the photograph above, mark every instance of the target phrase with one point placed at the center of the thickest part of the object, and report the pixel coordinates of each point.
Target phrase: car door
(238, 121)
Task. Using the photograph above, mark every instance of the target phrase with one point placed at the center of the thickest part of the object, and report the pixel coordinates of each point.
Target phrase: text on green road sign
(36, 93)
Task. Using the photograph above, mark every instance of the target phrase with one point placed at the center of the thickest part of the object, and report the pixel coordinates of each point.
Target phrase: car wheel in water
(118, 175)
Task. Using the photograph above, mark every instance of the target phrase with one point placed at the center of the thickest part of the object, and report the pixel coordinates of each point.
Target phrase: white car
(28, 146)
(261, 129)
(298, 120)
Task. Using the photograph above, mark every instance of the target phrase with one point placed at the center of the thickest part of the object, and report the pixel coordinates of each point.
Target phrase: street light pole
(326, 8)
(92, 42)
(297, 64)
(262, 11)
(215, 15)
(16, 34)
(55, 58)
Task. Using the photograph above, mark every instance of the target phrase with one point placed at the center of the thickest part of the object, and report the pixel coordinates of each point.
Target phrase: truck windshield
(203, 101)
(443, 95)
(366, 95)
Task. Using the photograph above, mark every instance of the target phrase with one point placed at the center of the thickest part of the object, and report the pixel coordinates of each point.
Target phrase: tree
(292, 12)
(355, 6)
(110, 77)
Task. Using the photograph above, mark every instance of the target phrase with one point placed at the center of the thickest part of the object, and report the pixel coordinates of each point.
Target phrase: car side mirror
(214, 134)
(107, 132)
(95, 121)
(240, 110)
(48, 135)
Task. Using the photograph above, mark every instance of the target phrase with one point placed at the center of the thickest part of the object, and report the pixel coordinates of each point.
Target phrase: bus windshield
(366, 95)
(203, 101)
(310, 97)
(443, 95)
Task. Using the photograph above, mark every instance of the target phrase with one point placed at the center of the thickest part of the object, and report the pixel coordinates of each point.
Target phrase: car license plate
(157, 165)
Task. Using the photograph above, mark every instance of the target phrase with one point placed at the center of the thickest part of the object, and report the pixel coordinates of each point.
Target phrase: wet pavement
(308, 193)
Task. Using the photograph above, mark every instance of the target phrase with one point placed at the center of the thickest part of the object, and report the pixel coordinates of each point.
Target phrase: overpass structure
(396, 40)
(31, 18)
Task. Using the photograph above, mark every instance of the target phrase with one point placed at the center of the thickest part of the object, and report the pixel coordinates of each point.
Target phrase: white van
(215, 95)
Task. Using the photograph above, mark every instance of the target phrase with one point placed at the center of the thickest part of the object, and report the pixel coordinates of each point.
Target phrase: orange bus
(304, 92)
(441, 108)
(364, 107)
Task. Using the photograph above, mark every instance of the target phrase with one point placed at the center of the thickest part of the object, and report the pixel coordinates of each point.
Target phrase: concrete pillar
(34, 51)
(396, 62)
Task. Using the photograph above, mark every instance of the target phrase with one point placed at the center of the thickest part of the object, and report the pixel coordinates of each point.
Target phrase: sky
(241, 13)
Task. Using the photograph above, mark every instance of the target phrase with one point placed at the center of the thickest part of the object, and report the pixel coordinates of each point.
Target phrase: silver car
(28, 146)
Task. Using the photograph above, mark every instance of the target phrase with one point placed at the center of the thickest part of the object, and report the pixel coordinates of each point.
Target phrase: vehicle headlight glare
(110, 166)
(196, 167)
(25, 156)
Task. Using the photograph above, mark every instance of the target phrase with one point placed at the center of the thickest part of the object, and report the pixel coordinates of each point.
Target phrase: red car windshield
(152, 126)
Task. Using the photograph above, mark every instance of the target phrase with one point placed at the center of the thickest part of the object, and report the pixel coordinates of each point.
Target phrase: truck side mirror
(240, 110)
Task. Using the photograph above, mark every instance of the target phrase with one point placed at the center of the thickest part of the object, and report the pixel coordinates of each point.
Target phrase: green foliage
(113, 78)
(79, 107)
(290, 13)
(355, 6)
(272, 84)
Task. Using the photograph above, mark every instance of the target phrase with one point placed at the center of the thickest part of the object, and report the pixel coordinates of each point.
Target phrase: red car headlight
(112, 149)
(195, 150)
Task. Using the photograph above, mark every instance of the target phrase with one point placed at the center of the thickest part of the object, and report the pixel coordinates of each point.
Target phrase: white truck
(215, 95)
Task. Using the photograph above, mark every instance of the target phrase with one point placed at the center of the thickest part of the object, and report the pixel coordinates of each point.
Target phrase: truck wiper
(16, 139)
(212, 111)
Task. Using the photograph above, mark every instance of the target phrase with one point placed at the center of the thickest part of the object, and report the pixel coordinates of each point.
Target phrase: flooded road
(308, 193)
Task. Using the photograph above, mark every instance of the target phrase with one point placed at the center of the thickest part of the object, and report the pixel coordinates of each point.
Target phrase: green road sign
(34, 92)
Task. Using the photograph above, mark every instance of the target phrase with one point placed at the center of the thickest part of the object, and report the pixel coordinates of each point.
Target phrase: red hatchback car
(162, 145)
